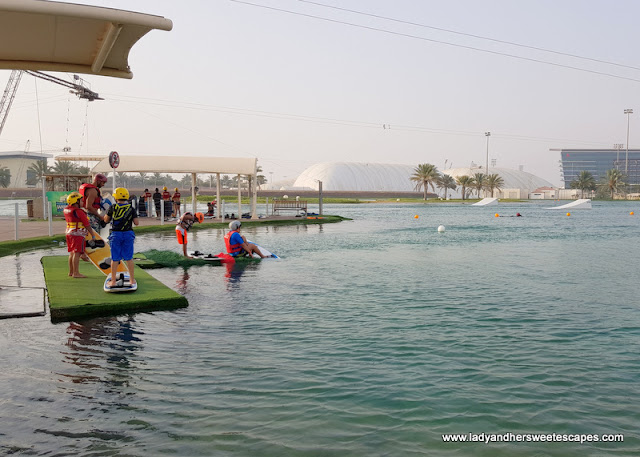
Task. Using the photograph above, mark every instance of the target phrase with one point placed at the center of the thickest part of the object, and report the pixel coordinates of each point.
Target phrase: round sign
(114, 159)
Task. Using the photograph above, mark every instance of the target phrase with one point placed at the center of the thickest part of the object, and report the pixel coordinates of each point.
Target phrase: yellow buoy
(416, 216)
(568, 214)
(631, 213)
(497, 215)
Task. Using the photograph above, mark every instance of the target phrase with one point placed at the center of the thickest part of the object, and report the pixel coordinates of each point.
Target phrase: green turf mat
(76, 298)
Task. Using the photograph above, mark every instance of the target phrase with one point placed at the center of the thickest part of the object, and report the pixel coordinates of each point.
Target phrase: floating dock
(82, 298)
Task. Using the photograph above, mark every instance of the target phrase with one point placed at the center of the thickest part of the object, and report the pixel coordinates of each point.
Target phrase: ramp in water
(581, 203)
(486, 202)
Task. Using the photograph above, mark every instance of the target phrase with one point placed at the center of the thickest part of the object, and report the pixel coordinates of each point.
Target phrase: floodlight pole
(628, 112)
(487, 134)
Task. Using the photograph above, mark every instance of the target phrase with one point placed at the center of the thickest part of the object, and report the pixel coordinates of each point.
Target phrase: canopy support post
(194, 197)
(239, 199)
(254, 197)
(218, 203)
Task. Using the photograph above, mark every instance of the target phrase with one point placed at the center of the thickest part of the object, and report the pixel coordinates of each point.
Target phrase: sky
(295, 83)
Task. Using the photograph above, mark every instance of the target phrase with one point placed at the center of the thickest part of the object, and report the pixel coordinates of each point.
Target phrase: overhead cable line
(495, 40)
(408, 35)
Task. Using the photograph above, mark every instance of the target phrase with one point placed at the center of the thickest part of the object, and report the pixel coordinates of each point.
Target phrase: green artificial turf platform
(71, 298)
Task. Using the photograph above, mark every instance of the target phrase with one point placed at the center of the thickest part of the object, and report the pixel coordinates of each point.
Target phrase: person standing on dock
(122, 237)
(77, 228)
(92, 200)
(176, 203)
(185, 222)
(157, 198)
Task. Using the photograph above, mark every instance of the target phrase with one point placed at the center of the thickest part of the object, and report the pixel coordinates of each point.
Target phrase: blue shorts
(122, 245)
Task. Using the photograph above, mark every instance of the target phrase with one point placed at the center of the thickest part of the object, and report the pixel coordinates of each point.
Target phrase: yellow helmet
(164, 188)
(73, 197)
(176, 189)
(121, 194)
(200, 217)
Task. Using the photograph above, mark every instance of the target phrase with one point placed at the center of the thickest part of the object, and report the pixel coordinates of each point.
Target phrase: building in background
(597, 162)
(19, 164)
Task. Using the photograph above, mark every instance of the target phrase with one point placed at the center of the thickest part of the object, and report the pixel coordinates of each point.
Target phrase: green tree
(64, 167)
(584, 181)
(613, 182)
(36, 170)
(446, 182)
(425, 175)
(494, 182)
(142, 176)
(465, 182)
(5, 177)
(479, 182)
(156, 177)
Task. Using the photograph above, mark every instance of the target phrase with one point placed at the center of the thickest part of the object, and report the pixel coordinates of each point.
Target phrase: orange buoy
(416, 216)
(497, 215)
(631, 213)
(568, 214)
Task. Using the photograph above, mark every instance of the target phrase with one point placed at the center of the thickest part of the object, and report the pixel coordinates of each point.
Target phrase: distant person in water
(77, 228)
(237, 244)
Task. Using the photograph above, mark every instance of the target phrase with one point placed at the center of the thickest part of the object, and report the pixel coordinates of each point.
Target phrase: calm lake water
(370, 337)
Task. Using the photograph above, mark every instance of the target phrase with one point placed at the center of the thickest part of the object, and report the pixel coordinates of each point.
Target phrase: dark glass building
(597, 162)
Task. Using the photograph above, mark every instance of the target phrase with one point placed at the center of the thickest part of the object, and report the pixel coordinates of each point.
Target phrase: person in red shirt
(176, 203)
(165, 194)
(146, 201)
(91, 200)
(77, 228)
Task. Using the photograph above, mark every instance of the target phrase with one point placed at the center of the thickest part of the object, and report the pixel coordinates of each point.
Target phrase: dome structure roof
(363, 177)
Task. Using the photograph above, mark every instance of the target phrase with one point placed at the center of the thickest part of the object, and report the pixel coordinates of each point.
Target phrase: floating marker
(568, 214)
(441, 228)
(497, 215)
(397, 199)
(416, 216)
(631, 213)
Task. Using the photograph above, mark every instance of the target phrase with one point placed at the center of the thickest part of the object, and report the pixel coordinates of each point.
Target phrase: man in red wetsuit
(91, 200)
(77, 228)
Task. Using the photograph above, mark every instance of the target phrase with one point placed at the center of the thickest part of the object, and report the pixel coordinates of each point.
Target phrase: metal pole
(487, 134)
(16, 237)
(320, 197)
(50, 213)
(628, 112)
(162, 212)
(44, 199)
(239, 216)
(218, 196)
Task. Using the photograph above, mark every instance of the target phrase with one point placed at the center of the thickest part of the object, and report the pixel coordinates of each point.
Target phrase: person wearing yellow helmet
(175, 198)
(123, 217)
(185, 222)
(78, 226)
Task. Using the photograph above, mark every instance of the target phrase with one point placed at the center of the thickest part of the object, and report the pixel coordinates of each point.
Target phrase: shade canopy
(180, 164)
(65, 37)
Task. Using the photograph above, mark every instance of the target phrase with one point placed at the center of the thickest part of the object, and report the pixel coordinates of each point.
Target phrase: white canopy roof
(180, 164)
(65, 37)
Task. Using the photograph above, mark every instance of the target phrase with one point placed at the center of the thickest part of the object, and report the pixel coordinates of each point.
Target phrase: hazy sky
(234, 79)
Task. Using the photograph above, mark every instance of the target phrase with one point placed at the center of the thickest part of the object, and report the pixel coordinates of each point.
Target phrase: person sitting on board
(92, 200)
(176, 203)
(77, 228)
(123, 216)
(185, 222)
(237, 244)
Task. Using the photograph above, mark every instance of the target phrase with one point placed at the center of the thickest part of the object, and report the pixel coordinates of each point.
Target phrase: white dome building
(358, 177)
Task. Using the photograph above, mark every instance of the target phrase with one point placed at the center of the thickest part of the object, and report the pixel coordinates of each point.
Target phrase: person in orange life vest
(176, 203)
(91, 200)
(185, 222)
(77, 228)
(165, 194)
(237, 244)
(122, 238)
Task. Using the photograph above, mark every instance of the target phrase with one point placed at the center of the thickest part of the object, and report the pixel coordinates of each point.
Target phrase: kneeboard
(123, 284)
(203, 256)
(99, 254)
(265, 252)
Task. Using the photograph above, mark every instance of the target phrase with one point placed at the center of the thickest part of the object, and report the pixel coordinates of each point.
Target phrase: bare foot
(79, 276)
(70, 274)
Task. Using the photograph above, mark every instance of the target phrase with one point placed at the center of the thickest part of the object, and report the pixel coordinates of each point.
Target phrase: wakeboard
(99, 254)
(123, 283)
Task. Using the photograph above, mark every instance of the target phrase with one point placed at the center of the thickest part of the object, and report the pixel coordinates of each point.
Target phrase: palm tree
(38, 169)
(121, 178)
(5, 177)
(479, 182)
(142, 176)
(584, 181)
(494, 182)
(425, 175)
(156, 176)
(613, 182)
(465, 181)
(63, 167)
(446, 182)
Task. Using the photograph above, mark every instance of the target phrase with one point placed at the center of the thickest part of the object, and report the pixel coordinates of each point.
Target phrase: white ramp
(486, 202)
(581, 203)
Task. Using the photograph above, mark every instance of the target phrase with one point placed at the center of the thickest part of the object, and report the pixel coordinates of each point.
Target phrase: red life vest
(83, 190)
(74, 221)
(231, 248)
(166, 195)
(176, 197)
(147, 195)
